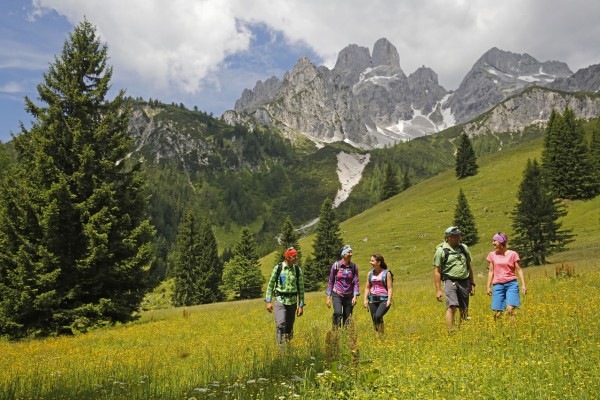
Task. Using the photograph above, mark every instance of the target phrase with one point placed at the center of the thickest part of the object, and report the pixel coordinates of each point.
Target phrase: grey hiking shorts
(457, 293)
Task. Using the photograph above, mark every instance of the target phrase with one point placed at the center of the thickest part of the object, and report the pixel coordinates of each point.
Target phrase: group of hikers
(453, 279)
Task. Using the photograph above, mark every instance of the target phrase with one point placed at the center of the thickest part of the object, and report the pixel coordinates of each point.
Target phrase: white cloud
(180, 46)
(446, 35)
(11, 87)
(174, 44)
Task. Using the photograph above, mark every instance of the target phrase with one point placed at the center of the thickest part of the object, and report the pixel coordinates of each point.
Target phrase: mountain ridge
(368, 101)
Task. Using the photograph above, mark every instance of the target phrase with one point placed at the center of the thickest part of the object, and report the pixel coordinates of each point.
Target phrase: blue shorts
(505, 294)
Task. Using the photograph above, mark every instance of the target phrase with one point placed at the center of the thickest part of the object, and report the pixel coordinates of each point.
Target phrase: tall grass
(550, 350)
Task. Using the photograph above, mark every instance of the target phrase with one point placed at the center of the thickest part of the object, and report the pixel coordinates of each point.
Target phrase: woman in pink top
(505, 265)
(378, 291)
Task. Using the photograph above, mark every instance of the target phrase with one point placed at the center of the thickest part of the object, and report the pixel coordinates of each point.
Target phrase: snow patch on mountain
(349, 170)
(448, 117)
(419, 125)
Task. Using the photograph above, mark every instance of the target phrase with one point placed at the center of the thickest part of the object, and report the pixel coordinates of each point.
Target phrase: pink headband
(500, 237)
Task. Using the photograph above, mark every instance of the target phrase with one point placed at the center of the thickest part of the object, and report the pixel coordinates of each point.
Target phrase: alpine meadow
(130, 342)
(227, 350)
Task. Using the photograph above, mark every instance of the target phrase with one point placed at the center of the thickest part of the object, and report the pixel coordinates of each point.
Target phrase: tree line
(569, 170)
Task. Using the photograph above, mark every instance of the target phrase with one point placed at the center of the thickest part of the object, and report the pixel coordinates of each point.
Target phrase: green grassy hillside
(407, 227)
(227, 350)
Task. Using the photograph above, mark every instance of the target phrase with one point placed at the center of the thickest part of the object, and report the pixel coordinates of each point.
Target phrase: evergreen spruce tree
(375, 184)
(242, 277)
(211, 269)
(554, 126)
(535, 219)
(464, 219)
(288, 238)
(312, 275)
(595, 157)
(389, 186)
(466, 161)
(405, 180)
(186, 271)
(75, 238)
(328, 242)
(566, 165)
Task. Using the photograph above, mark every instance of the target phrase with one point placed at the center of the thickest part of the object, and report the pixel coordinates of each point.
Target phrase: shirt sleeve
(437, 257)
(355, 281)
(515, 257)
(271, 285)
(300, 288)
(331, 281)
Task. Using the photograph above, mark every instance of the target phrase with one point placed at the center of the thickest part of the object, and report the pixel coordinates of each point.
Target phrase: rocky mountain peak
(521, 64)
(369, 101)
(497, 75)
(263, 92)
(351, 61)
(424, 76)
(426, 92)
(584, 80)
(385, 53)
(303, 73)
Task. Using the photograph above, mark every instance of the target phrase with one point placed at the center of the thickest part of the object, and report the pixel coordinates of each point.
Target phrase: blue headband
(345, 250)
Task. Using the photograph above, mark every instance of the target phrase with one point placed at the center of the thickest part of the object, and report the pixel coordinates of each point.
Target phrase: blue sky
(206, 52)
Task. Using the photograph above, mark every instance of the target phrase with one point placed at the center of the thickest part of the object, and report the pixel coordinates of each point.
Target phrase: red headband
(290, 253)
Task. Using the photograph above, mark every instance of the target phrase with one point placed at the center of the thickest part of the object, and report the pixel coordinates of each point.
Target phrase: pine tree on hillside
(466, 161)
(312, 275)
(595, 156)
(328, 242)
(389, 186)
(287, 238)
(242, 278)
(464, 219)
(211, 269)
(405, 180)
(374, 191)
(535, 219)
(75, 238)
(186, 271)
(566, 166)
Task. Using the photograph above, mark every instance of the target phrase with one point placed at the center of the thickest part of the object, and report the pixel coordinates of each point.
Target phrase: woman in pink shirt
(505, 265)
(378, 291)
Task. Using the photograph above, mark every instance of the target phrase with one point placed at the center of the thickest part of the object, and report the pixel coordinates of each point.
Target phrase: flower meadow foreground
(549, 350)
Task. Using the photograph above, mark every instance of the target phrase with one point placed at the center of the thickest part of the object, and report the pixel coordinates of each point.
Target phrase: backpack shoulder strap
(278, 273)
(464, 251)
(383, 277)
(446, 255)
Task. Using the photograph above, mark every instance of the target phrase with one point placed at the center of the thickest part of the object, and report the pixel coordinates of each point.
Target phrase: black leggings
(378, 310)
